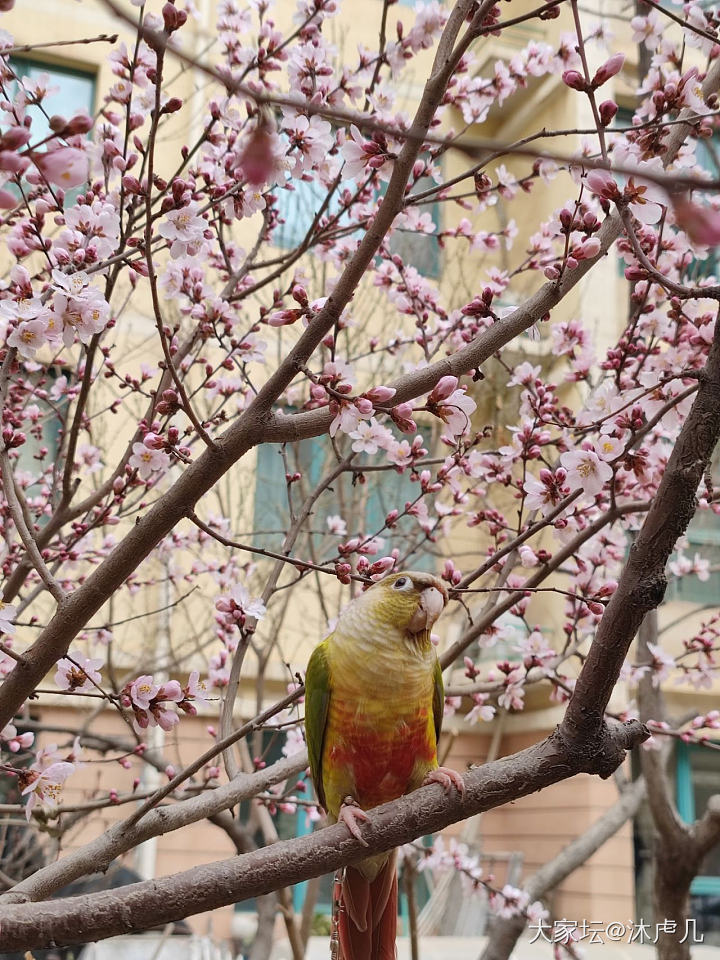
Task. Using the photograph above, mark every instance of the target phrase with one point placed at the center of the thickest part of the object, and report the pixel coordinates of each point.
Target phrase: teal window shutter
(313, 457)
(75, 91)
(299, 207)
(420, 250)
(697, 774)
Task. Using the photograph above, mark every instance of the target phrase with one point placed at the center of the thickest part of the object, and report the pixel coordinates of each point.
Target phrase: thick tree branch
(123, 836)
(202, 888)
(251, 427)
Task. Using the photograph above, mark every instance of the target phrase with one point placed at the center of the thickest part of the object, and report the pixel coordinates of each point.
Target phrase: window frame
(703, 885)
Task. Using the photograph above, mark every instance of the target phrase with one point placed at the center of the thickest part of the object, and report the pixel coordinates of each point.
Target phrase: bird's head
(410, 601)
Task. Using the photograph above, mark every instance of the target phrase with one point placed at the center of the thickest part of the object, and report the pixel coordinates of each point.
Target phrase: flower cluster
(156, 704)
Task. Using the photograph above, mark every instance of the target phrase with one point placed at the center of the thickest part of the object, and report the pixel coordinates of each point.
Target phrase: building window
(299, 207)
(73, 91)
(363, 506)
(703, 536)
(697, 772)
(43, 443)
(420, 250)
(707, 153)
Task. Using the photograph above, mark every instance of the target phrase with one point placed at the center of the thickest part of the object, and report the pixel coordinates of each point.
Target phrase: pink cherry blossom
(146, 461)
(336, 525)
(67, 166)
(370, 436)
(184, 229)
(456, 411)
(16, 741)
(143, 690)
(587, 470)
(43, 784)
(78, 673)
(8, 612)
(28, 337)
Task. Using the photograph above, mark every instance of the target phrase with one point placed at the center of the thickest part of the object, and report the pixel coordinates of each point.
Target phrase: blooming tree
(169, 317)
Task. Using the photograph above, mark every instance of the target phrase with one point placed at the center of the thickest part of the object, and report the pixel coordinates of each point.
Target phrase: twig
(29, 47)
(17, 514)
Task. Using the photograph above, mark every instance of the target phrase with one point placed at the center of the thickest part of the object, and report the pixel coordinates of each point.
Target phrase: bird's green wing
(438, 699)
(317, 701)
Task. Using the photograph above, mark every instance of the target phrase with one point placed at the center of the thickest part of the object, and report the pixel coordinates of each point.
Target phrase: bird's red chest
(384, 757)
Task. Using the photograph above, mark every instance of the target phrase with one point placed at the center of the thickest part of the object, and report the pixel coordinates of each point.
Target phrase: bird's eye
(400, 583)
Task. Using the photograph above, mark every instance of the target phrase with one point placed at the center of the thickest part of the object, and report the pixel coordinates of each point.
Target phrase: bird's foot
(447, 778)
(350, 812)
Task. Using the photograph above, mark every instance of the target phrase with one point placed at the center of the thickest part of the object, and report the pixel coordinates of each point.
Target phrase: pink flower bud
(173, 105)
(364, 405)
(635, 273)
(172, 17)
(343, 571)
(300, 295)
(81, 123)
(607, 111)
(588, 249)
(256, 162)
(571, 78)
(14, 137)
(380, 394)
(402, 417)
(608, 69)
(702, 224)
(382, 565)
(132, 184)
(444, 388)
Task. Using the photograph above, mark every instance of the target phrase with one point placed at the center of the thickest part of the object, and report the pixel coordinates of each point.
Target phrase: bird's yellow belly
(376, 752)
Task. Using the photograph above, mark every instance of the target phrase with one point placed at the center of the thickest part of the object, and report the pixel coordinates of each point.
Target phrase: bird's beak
(431, 605)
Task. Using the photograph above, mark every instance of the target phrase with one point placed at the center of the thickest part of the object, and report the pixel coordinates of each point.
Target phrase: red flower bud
(257, 161)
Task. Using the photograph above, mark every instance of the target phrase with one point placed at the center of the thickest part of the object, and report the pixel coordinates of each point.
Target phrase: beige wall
(540, 825)
(181, 850)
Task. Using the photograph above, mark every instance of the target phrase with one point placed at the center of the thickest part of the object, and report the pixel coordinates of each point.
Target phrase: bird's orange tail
(367, 919)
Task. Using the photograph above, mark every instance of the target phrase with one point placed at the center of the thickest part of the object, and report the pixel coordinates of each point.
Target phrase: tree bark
(428, 810)
(675, 866)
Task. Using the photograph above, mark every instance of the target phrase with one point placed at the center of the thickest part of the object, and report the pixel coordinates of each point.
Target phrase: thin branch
(28, 540)
(29, 47)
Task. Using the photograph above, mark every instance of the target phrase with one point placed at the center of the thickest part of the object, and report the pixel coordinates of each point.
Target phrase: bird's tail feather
(368, 914)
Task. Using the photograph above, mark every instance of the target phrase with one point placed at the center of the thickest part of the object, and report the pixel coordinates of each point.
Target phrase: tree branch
(123, 836)
(207, 887)
(248, 431)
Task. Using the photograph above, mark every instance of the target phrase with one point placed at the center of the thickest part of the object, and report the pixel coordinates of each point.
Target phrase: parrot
(373, 710)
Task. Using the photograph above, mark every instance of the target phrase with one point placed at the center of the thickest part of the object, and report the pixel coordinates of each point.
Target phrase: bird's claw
(447, 778)
(350, 812)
